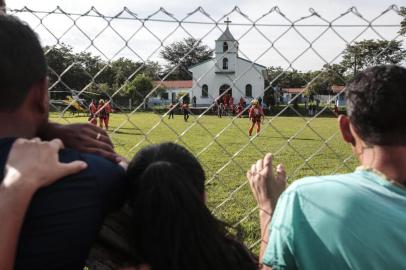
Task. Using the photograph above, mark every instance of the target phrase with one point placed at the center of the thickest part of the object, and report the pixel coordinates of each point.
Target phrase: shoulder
(68, 155)
(344, 188)
(105, 177)
(310, 194)
(98, 167)
(322, 183)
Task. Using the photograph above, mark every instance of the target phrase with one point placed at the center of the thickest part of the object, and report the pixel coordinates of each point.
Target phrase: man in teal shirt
(349, 221)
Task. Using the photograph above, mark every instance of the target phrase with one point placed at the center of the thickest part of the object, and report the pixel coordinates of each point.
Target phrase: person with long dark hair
(172, 226)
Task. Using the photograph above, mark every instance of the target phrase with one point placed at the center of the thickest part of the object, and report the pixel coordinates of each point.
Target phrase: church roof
(239, 58)
(175, 84)
(226, 36)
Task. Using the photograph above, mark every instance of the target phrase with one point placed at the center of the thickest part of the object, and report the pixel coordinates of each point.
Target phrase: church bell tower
(226, 52)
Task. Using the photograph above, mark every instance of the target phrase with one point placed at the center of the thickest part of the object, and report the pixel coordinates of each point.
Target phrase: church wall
(215, 80)
(253, 76)
(207, 76)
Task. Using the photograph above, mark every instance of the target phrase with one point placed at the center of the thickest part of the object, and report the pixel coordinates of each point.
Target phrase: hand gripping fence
(222, 145)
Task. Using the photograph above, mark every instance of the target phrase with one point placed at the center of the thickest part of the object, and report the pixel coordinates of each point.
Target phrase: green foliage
(367, 53)
(402, 12)
(285, 79)
(269, 94)
(70, 70)
(124, 69)
(139, 88)
(321, 81)
(186, 53)
(316, 82)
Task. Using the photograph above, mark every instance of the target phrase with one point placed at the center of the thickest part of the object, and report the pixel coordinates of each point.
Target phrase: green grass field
(306, 148)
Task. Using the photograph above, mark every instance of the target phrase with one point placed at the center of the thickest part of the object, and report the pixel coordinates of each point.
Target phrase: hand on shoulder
(35, 164)
(82, 137)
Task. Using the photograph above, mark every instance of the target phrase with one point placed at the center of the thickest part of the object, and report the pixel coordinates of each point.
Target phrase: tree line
(70, 70)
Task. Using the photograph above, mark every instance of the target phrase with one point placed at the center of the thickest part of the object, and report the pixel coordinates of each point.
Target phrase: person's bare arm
(2, 7)
(266, 188)
(82, 137)
(31, 164)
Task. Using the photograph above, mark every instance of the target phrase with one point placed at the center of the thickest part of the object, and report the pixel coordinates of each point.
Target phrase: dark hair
(22, 62)
(376, 105)
(173, 228)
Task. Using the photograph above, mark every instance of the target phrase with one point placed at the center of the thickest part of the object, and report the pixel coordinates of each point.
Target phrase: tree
(366, 53)
(139, 88)
(67, 71)
(402, 12)
(320, 82)
(76, 70)
(123, 68)
(186, 53)
(286, 79)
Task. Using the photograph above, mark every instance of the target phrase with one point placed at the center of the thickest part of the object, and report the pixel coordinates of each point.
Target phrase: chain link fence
(306, 140)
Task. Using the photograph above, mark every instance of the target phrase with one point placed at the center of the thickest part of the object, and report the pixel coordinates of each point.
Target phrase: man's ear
(346, 133)
(39, 96)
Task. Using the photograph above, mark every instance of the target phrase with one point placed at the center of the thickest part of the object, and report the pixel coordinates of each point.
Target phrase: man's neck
(389, 160)
(13, 126)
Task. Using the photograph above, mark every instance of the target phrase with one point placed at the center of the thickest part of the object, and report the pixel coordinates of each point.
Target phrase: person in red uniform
(255, 114)
(108, 110)
(92, 113)
(186, 111)
(104, 111)
(225, 103)
(240, 107)
(231, 104)
(239, 110)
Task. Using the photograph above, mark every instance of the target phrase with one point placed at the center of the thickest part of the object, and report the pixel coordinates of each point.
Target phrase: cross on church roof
(227, 21)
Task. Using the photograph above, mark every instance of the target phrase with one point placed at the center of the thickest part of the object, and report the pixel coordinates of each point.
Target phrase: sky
(271, 42)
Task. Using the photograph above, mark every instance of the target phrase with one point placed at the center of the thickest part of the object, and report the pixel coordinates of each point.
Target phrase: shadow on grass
(286, 138)
(128, 133)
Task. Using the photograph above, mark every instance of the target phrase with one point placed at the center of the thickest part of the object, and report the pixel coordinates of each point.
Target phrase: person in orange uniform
(255, 114)
(186, 111)
(92, 113)
(231, 104)
(225, 103)
(240, 107)
(104, 111)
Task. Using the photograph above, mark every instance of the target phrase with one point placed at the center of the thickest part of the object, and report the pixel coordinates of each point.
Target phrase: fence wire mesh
(306, 141)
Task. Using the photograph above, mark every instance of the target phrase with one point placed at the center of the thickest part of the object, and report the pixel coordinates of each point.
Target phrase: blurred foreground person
(172, 226)
(64, 218)
(24, 174)
(348, 221)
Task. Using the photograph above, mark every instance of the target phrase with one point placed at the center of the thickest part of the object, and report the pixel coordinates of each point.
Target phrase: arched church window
(225, 63)
(225, 88)
(225, 46)
(248, 90)
(205, 91)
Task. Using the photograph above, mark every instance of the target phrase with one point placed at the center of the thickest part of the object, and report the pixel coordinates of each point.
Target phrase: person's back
(64, 218)
(349, 221)
(355, 220)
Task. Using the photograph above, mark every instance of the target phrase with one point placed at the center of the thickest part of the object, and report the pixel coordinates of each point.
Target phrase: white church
(227, 71)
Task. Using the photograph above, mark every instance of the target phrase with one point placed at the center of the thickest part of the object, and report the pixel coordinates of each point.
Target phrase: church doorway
(225, 88)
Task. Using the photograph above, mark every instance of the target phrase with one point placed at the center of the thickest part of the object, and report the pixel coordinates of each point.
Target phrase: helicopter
(73, 102)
